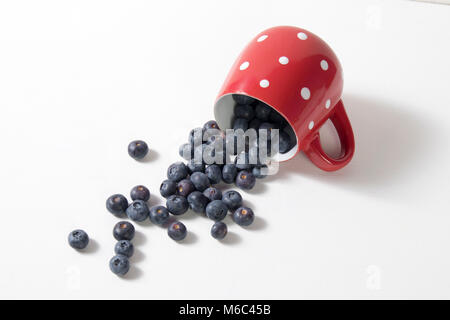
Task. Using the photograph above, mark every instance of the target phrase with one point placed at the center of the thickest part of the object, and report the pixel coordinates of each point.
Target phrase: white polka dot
(306, 94)
(283, 60)
(311, 125)
(324, 65)
(302, 36)
(244, 65)
(262, 38)
(264, 83)
(327, 104)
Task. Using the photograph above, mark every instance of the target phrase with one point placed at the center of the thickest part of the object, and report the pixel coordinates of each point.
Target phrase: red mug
(297, 74)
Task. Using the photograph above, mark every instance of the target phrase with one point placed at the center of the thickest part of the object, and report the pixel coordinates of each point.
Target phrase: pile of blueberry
(213, 156)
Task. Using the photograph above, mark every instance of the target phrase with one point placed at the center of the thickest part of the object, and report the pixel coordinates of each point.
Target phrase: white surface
(80, 79)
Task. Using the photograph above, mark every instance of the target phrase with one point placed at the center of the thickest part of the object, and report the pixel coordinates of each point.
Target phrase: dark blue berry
(262, 111)
(177, 171)
(186, 151)
(177, 205)
(275, 117)
(260, 172)
(123, 230)
(185, 187)
(245, 180)
(229, 173)
(211, 125)
(244, 111)
(119, 265)
(268, 127)
(159, 215)
(216, 210)
(137, 149)
(198, 201)
(140, 193)
(240, 123)
(213, 194)
(196, 137)
(138, 211)
(285, 142)
(243, 99)
(177, 231)
(232, 199)
(117, 204)
(78, 239)
(242, 161)
(194, 166)
(219, 230)
(254, 124)
(124, 248)
(168, 188)
(214, 173)
(243, 216)
(200, 181)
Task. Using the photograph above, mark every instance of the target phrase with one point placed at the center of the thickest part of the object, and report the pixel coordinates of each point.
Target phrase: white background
(80, 79)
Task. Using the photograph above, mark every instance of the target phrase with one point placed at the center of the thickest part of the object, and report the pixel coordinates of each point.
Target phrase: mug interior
(224, 114)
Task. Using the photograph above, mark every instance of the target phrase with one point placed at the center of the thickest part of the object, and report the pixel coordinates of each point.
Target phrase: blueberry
(254, 124)
(123, 230)
(78, 239)
(232, 199)
(219, 230)
(243, 216)
(168, 188)
(215, 140)
(119, 265)
(216, 210)
(242, 161)
(185, 187)
(200, 181)
(177, 231)
(177, 205)
(198, 201)
(244, 111)
(243, 99)
(137, 149)
(285, 142)
(229, 173)
(177, 171)
(213, 194)
(196, 136)
(186, 151)
(138, 211)
(260, 172)
(268, 127)
(140, 193)
(262, 111)
(245, 180)
(194, 166)
(117, 204)
(211, 125)
(275, 117)
(159, 215)
(240, 123)
(214, 173)
(124, 248)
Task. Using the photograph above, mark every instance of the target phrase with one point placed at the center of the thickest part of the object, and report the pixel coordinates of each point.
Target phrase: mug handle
(343, 127)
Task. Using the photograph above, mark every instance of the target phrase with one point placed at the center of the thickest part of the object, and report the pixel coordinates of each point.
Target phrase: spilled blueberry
(137, 149)
(78, 239)
(117, 204)
(123, 230)
(177, 231)
(124, 248)
(140, 193)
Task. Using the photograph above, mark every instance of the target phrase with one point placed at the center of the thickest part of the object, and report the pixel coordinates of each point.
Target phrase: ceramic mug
(297, 74)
